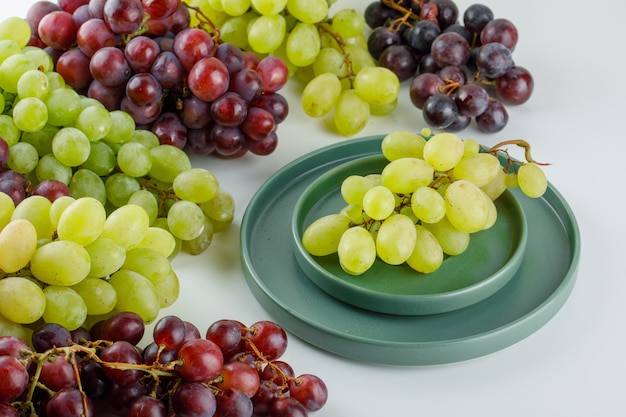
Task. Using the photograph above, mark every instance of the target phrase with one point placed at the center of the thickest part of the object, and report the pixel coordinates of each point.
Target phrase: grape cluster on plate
(461, 67)
(232, 370)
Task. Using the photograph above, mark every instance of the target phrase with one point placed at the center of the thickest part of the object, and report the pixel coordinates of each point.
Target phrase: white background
(575, 364)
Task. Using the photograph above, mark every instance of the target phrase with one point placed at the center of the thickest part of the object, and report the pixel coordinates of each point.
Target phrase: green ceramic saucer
(532, 297)
(491, 260)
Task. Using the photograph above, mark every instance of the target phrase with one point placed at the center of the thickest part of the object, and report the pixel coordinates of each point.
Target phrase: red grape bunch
(178, 81)
(232, 371)
(460, 66)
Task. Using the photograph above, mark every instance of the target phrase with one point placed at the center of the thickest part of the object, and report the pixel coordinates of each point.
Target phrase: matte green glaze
(533, 296)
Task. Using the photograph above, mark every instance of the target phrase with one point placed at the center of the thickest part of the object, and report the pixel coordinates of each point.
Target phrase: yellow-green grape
(36, 209)
(149, 263)
(15, 29)
(147, 201)
(201, 242)
(377, 85)
(354, 212)
(466, 206)
(266, 33)
(23, 158)
(160, 240)
(61, 262)
(453, 241)
(7, 206)
(330, 60)
(12, 68)
(98, 295)
(30, 114)
(10, 328)
(443, 151)
(95, 122)
(41, 58)
(124, 127)
(269, 7)
(236, 7)
(167, 162)
(63, 106)
(379, 202)
(470, 146)
(360, 58)
(354, 187)
(168, 290)
(126, 225)
(106, 257)
(135, 293)
(428, 205)
(71, 146)
(134, 159)
(348, 23)
(383, 109)
(322, 237)
(303, 44)
(64, 306)
(351, 113)
(82, 221)
(320, 95)
(427, 256)
(356, 251)
(235, 30)
(511, 180)
(23, 300)
(18, 243)
(8, 47)
(395, 240)
(492, 212)
(480, 168)
(308, 11)
(185, 220)
(497, 186)
(220, 209)
(532, 180)
(405, 175)
(197, 185)
(161, 223)
(58, 207)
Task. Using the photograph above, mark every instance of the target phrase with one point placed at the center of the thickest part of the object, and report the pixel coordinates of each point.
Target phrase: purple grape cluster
(234, 371)
(180, 82)
(461, 66)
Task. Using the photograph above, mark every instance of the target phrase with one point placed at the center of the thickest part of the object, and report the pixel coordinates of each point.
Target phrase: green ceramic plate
(532, 297)
(491, 260)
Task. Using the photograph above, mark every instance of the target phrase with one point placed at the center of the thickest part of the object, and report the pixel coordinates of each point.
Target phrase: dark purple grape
(51, 189)
(427, 64)
(170, 130)
(287, 407)
(274, 103)
(126, 326)
(13, 190)
(123, 16)
(57, 373)
(471, 99)
(515, 87)
(4, 153)
(380, 38)
(460, 122)
(229, 110)
(142, 115)
(124, 352)
(258, 123)
(447, 12)
(146, 406)
(461, 30)
(439, 111)
(110, 97)
(194, 399)
(93, 379)
(493, 60)
(247, 83)
(421, 36)
(140, 52)
(376, 14)
(226, 140)
(169, 332)
(199, 140)
(49, 335)
(153, 354)
(494, 118)
(11, 175)
(233, 403)
(476, 17)
(73, 65)
(194, 113)
(423, 86)
(265, 146)
(450, 48)
(69, 402)
(231, 56)
(400, 59)
(167, 69)
(452, 74)
(118, 397)
(500, 30)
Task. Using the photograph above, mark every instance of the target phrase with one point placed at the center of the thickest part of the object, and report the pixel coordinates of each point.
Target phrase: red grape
(202, 360)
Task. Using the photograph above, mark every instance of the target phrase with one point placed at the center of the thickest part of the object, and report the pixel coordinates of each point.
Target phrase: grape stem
(407, 14)
(324, 27)
(519, 142)
(204, 21)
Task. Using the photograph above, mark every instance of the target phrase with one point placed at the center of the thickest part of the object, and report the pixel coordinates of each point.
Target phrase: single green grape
(147, 201)
(30, 114)
(405, 175)
(379, 202)
(23, 157)
(98, 295)
(427, 256)
(15, 29)
(348, 23)
(63, 106)
(82, 221)
(135, 293)
(86, 183)
(60, 262)
(120, 187)
(126, 225)
(321, 94)
(322, 237)
(402, 144)
(134, 159)
(303, 44)
(106, 257)
(71, 146)
(18, 242)
(266, 33)
(33, 83)
(185, 220)
(23, 301)
(149, 263)
(64, 306)
(351, 113)
(197, 185)
(443, 151)
(395, 240)
(168, 162)
(36, 209)
(95, 122)
(308, 11)
(356, 251)
(50, 168)
(532, 180)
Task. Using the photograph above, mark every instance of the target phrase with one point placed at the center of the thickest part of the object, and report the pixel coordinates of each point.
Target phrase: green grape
(351, 113)
(41, 140)
(71, 146)
(149, 263)
(50, 168)
(354, 212)
(101, 160)
(168, 162)
(55, 80)
(119, 187)
(383, 109)
(308, 11)
(354, 187)
(356, 251)
(201, 242)
(427, 256)
(215, 5)
(303, 44)
(466, 206)
(235, 30)
(197, 185)
(42, 59)
(86, 183)
(236, 7)
(106, 257)
(168, 290)
(402, 144)
(405, 175)
(428, 205)
(124, 127)
(23, 301)
(23, 158)
(94, 121)
(60, 262)
(98, 295)
(134, 159)
(8, 47)
(480, 168)
(160, 240)
(12, 69)
(320, 95)
(6, 210)
(379, 202)
(348, 23)
(443, 151)
(330, 60)
(57, 208)
(135, 293)
(161, 223)
(126, 225)
(8, 130)
(64, 306)
(377, 85)
(322, 237)
(10, 328)
(511, 180)
(492, 215)
(497, 186)
(266, 33)
(269, 7)
(16, 29)
(147, 201)
(532, 180)
(470, 147)
(220, 209)
(82, 221)
(146, 138)
(33, 83)
(36, 209)
(30, 114)
(63, 106)
(395, 240)
(453, 241)
(18, 243)
(185, 220)
(361, 59)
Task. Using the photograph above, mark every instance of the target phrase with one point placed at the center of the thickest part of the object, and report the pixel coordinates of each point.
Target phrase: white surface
(574, 365)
